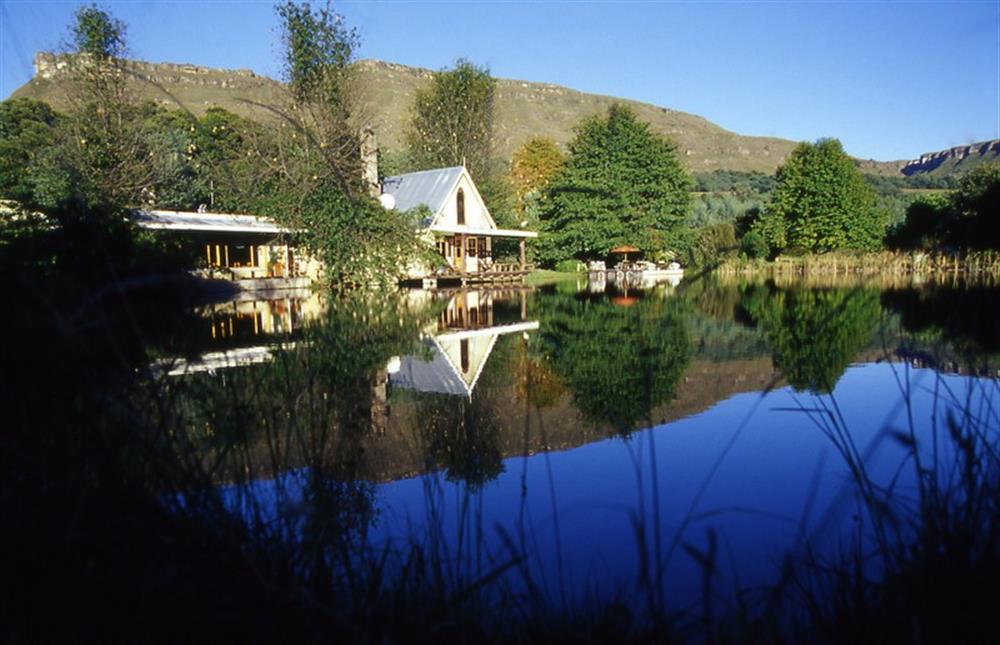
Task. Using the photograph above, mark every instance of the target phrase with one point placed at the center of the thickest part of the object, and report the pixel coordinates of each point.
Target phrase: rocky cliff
(954, 160)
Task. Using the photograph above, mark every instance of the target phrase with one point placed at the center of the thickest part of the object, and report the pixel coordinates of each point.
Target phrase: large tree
(452, 121)
(822, 202)
(622, 184)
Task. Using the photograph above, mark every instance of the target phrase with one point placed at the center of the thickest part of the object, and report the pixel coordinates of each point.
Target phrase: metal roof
(436, 375)
(428, 187)
(213, 222)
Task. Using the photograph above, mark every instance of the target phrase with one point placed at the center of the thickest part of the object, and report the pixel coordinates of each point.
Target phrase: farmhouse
(238, 247)
(459, 225)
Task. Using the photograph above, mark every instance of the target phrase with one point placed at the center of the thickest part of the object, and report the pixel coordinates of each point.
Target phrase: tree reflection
(964, 317)
(814, 334)
(461, 435)
(619, 362)
(300, 422)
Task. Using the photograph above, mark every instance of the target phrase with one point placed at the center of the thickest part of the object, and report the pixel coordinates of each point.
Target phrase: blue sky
(889, 79)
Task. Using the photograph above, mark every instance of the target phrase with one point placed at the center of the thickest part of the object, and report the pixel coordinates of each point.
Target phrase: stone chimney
(369, 161)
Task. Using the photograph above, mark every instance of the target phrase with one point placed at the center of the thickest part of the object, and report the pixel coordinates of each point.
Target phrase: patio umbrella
(624, 249)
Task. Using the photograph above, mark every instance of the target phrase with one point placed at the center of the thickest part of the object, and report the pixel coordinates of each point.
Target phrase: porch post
(462, 251)
(522, 254)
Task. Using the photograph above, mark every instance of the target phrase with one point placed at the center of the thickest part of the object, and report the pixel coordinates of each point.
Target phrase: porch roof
(481, 232)
(210, 222)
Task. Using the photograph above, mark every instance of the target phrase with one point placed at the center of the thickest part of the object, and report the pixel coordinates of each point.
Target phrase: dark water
(670, 443)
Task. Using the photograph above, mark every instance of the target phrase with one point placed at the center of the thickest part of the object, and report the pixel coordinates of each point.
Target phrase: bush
(570, 266)
(754, 246)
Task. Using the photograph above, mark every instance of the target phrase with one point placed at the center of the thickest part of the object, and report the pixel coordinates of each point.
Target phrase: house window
(460, 206)
(470, 245)
(463, 350)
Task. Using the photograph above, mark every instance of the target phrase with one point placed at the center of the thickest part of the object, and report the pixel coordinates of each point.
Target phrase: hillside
(523, 109)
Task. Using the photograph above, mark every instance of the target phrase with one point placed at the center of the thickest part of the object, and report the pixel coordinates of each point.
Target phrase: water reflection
(569, 410)
(619, 362)
(814, 334)
(457, 346)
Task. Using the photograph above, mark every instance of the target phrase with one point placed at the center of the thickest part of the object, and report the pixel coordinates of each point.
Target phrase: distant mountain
(523, 110)
(957, 160)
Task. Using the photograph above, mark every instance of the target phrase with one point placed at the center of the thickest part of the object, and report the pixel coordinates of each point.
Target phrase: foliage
(712, 244)
(570, 266)
(742, 184)
(709, 210)
(98, 34)
(619, 362)
(814, 334)
(533, 165)
(965, 219)
(924, 226)
(317, 142)
(26, 130)
(451, 123)
(977, 206)
(622, 184)
(754, 246)
(824, 202)
(359, 241)
(317, 50)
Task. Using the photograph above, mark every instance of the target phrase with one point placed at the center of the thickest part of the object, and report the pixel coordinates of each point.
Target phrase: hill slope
(523, 109)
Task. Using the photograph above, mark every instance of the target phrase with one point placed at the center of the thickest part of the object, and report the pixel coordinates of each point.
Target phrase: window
(460, 206)
(470, 245)
(463, 350)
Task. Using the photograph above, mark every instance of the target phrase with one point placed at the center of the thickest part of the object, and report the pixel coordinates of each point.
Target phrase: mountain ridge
(523, 109)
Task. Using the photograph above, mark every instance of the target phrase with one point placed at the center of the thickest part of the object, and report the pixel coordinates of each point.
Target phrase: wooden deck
(498, 272)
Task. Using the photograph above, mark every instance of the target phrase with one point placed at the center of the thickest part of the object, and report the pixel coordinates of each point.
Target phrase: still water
(673, 443)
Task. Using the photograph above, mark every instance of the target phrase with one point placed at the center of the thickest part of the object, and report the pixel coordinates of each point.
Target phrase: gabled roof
(436, 375)
(429, 187)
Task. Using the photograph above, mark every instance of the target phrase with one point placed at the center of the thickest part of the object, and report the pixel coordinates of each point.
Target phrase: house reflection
(245, 331)
(254, 318)
(458, 345)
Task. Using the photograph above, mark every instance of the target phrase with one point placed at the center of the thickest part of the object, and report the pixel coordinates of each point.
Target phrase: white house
(460, 225)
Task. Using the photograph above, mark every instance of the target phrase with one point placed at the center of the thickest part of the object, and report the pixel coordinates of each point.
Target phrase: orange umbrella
(625, 249)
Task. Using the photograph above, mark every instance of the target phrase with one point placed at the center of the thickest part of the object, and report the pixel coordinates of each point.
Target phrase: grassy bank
(985, 263)
(545, 276)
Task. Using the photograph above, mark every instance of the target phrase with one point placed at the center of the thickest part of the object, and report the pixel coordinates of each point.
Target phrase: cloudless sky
(891, 80)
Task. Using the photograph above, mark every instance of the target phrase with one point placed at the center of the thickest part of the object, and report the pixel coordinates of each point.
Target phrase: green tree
(98, 35)
(927, 220)
(824, 202)
(452, 121)
(622, 184)
(977, 208)
(103, 147)
(26, 131)
(318, 136)
(533, 165)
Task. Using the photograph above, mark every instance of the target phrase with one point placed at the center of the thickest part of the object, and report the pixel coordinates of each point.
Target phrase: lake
(672, 447)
